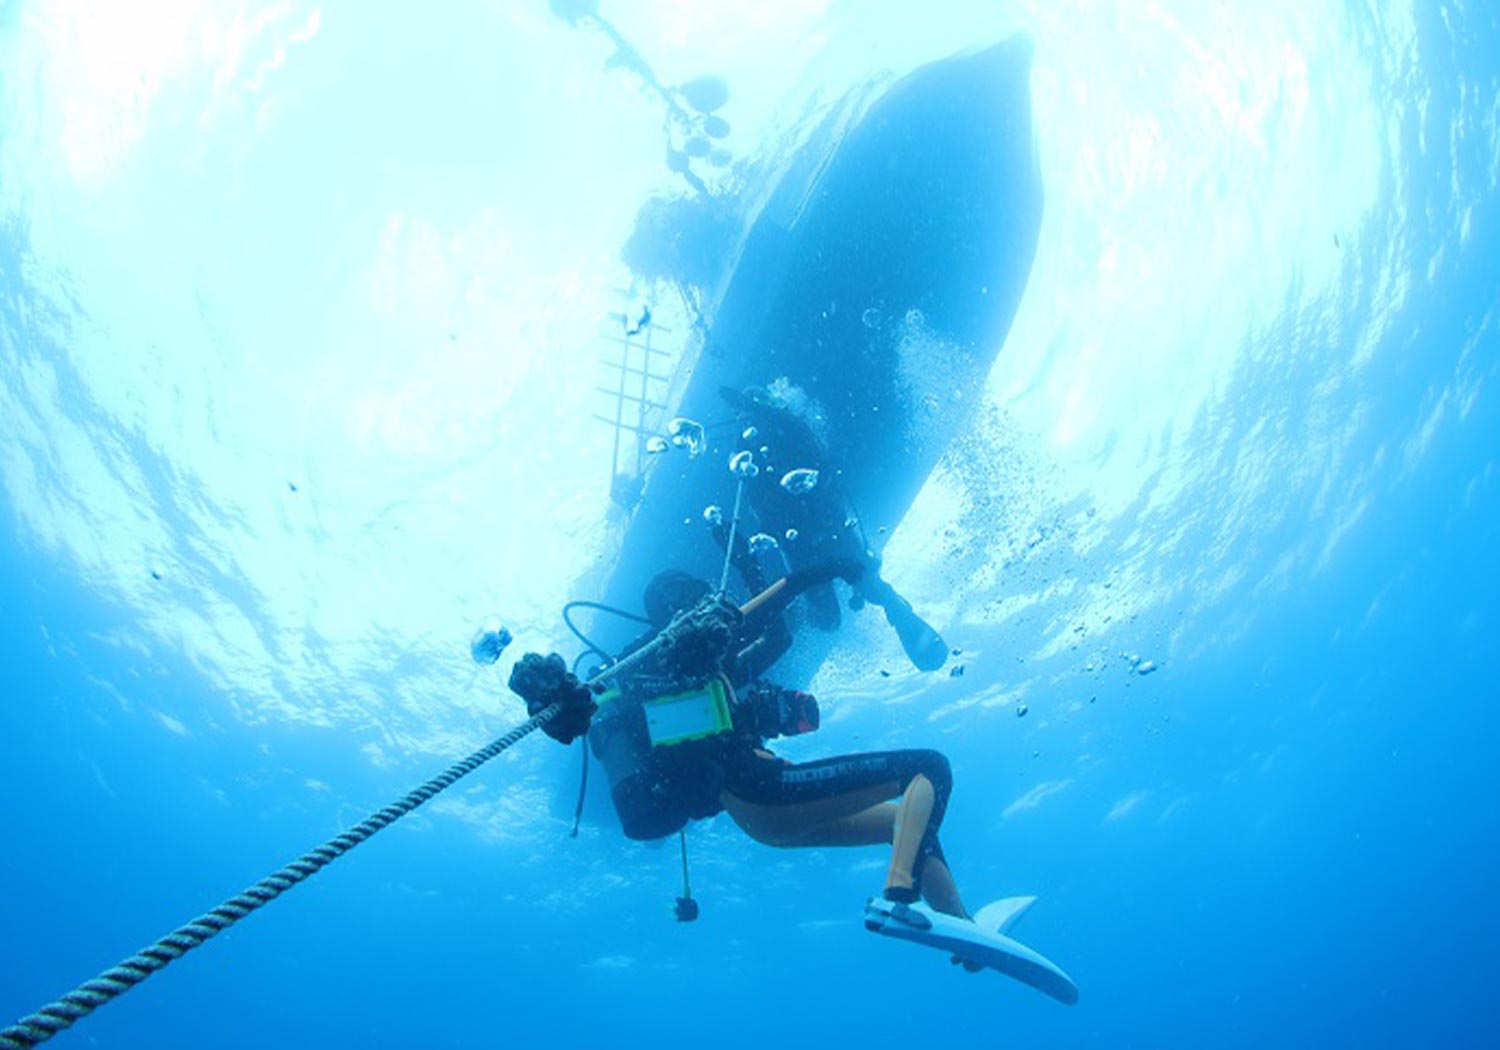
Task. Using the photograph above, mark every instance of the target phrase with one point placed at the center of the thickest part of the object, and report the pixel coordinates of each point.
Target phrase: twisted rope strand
(89, 996)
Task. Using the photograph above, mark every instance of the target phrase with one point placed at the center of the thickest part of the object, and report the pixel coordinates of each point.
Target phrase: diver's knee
(935, 767)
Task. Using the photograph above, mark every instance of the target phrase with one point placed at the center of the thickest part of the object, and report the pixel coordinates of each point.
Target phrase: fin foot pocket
(910, 916)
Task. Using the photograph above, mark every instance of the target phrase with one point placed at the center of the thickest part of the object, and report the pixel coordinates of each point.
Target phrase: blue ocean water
(300, 334)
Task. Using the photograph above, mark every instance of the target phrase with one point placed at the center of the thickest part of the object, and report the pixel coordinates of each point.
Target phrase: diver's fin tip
(999, 916)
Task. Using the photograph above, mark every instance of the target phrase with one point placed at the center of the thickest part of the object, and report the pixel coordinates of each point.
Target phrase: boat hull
(868, 301)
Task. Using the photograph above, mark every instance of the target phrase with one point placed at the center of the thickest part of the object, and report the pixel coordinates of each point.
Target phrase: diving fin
(978, 942)
(924, 647)
(1000, 916)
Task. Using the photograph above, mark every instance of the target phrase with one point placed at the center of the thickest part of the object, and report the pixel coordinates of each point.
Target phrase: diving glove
(769, 710)
(545, 680)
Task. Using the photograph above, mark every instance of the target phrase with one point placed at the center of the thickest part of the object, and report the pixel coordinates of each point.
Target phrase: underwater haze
(307, 312)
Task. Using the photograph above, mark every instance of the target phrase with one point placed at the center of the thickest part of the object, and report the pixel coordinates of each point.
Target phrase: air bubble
(688, 434)
(489, 642)
(763, 542)
(801, 481)
(742, 465)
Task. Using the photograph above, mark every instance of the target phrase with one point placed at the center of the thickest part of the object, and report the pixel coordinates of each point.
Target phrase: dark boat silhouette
(853, 328)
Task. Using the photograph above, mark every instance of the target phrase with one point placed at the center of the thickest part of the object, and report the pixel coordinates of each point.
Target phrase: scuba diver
(682, 734)
(682, 731)
(681, 718)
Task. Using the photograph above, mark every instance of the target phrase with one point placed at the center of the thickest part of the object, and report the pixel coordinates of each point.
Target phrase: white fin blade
(1000, 916)
(965, 939)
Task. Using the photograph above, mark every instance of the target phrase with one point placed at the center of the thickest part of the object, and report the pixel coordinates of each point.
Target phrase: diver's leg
(815, 824)
(855, 818)
(914, 838)
(836, 802)
(939, 889)
(913, 816)
(877, 825)
(868, 827)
